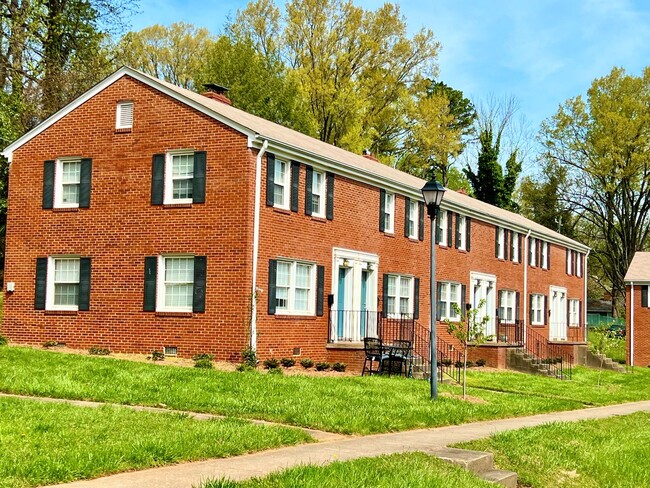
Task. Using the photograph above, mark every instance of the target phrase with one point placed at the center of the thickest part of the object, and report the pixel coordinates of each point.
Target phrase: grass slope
(611, 452)
(45, 443)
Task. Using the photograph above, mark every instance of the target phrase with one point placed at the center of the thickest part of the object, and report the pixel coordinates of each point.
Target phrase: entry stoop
(479, 462)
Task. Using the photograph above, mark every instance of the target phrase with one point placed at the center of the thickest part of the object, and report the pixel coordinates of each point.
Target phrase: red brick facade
(638, 329)
(121, 227)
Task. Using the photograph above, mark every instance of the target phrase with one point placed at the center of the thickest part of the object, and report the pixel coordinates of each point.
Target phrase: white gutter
(256, 242)
(525, 261)
(631, 333)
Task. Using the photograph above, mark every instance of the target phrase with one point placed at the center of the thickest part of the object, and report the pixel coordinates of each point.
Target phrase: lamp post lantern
(432, 192)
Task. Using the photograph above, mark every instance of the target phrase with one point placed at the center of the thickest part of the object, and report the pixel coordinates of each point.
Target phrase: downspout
(585, 274)
(632, 323)
(525, 297)
(256, 241)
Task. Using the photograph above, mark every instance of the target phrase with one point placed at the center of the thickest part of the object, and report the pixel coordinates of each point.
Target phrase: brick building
(637, 306)
(144, 216)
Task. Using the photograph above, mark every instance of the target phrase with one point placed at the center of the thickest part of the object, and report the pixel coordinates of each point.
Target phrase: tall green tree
(603, 143)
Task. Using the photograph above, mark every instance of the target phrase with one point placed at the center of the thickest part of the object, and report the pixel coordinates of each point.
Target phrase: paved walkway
(242, 467)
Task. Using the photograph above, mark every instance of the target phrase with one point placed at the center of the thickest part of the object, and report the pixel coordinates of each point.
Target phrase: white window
(537, 309)
(450, 295)
(399, 299)
(63, 283)
(461, 235)
(579, 265)
(507, 306)
(281, 184)
(569, 262)
(389, 213)
(545, 256)
(124, 115)
(501, 242)
(514, 248)
(443, 215)
(412, 222)
(532, 251)
(318, 194)
(294, 288)
(179, 177)
(175, 283)
(68, 183)
(574, 313)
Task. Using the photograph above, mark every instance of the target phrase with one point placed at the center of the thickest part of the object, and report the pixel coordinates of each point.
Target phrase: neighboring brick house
(637, 306)
(145, 216)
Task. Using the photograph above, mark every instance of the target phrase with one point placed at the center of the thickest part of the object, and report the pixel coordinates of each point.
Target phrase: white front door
(557, 321)
(484, 300)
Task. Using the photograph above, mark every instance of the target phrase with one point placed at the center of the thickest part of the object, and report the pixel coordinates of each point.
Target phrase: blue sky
(540, 51)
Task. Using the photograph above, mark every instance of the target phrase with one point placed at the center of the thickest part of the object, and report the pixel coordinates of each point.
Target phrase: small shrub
(276, 371)
(458, 364)
(307, 363)
(339, 367)
(249, 357)
(481, 362)
(243, 368)
(156, 356)
(470, 364)
(271, 363)
(3, 340)
(322, 366)
(446, 361)
(203, 363)
(287, 362)
(199, 357)
(619, 361)
(49, 344)
(99, 351)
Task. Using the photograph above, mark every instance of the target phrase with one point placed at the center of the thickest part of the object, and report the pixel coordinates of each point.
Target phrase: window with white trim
(179, 177)
(443, 215)
(579, 259)
(281, 184)
(461, 235)
(532, 251)
(574, 313)
(545, 254)
(501, 242)
(294, 288)
(399, 297)
(63, 283)
(537, 309)
(450, 295)
(389, 213)
(175, 283)
(412, 222)
(514, 247)
(507, 306)
(318, 194)
(67, 183)
(124, 115)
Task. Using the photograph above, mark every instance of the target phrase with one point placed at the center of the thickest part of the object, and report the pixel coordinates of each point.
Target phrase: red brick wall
(640, 329)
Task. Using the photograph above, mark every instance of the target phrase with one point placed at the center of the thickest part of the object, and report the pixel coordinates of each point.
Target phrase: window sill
(124, 130)
(65, 209)
(389, 234)
(317, 218)
(61, 312)
(281, 210)
(538, 326)
(174, 314)
(295, 316)
(177, 205)
(413, 239)
(345, 345)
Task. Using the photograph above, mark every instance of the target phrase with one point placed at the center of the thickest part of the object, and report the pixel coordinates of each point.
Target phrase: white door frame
(484, 286)
(557, 327)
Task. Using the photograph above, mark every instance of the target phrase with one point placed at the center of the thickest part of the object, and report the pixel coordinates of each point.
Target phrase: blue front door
(340, 302)
(364, 305)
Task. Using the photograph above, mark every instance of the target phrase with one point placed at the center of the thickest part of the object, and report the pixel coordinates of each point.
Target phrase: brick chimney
(462, 191)
(216, 92)
(368, 155)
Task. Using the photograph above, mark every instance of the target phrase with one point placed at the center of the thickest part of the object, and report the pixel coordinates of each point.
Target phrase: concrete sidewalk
(242, 467)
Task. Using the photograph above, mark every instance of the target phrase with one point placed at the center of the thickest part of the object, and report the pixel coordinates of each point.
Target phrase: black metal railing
(558, 361)
(353, 325)
(449, 358)
(510, 332)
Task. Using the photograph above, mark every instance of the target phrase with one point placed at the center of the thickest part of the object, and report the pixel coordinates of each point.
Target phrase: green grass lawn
(345, 404)
(415, 470)
(611, 452)
(613, 347)
(45, 443)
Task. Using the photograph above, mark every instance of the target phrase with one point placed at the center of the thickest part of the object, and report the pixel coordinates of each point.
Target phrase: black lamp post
(433, 193)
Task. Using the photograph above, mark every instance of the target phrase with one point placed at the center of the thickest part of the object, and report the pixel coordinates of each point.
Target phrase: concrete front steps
(479, 463)
(519, 360)
(595, 360)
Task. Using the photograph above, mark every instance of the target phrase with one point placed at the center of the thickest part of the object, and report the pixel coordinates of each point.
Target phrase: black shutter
(421, 220)
(530, 309)
(84, 284)
(320, 289)
(273, 268)
(48, 185)
(157, 179)
(438, 226)
(566, 261)
(548, 256)
(295, 182)
(530, 251)
(463, 298)
(200, 278)
(517, 300)
(150, 268)
(416, 298)
(382, 210)
(644, 295)
(496, 242)
(468, 232)
(507, 253)
(41, 283)
(270, 179)
(539, 253)
(85, 183)
(438, 301)
(198, 181)
(496, 313)
(450, 223)
(407, 204)
(575, 262)
(545, 318)
(329, 212)
(520, 240)
(458, 236)
(580, 319)
(384, 295)
(309, 180)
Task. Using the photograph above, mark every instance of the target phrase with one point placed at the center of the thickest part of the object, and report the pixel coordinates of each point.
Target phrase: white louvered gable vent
(124, 119)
